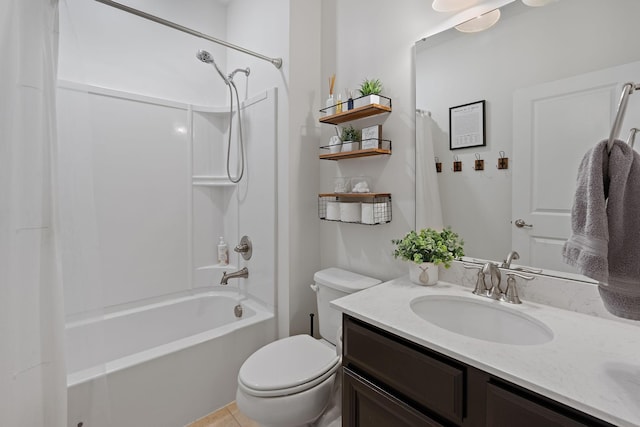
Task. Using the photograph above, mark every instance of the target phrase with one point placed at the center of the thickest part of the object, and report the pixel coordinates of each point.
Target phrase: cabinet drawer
(366, 405)
(506, 409)
(413, 373)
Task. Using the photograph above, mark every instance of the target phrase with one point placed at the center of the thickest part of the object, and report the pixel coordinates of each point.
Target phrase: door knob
(520, 223)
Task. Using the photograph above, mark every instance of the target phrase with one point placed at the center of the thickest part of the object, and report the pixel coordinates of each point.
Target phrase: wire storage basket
(359, 208)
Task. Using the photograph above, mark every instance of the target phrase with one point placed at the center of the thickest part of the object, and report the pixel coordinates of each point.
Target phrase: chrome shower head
(207, 58)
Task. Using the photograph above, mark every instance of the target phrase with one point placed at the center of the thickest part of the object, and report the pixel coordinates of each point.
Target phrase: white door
(554, 124)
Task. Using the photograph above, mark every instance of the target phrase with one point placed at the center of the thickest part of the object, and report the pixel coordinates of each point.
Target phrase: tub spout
(236, 274)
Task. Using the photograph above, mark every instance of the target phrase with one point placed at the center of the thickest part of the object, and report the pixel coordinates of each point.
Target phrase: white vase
(425, 274)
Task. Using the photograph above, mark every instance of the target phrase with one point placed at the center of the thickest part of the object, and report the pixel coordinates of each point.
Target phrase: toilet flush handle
(314, 287)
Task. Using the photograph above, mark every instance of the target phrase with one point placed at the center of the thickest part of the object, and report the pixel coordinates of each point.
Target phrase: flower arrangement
(429, 245)
(370, 87)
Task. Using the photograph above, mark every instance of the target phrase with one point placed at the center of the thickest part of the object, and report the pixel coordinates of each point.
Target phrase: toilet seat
(287, 366)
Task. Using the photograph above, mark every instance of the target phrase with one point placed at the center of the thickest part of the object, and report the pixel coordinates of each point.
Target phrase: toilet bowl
(288, 383)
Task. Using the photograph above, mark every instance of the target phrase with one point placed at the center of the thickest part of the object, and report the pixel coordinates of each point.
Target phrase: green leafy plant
(370, 87)
(349, 133)
(429, 245)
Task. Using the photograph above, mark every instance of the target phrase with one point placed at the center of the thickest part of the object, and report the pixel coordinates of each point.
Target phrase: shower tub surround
(163, 363)
(152, 338)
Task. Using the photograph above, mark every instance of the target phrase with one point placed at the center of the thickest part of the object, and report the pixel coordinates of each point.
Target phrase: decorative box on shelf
(359, 208)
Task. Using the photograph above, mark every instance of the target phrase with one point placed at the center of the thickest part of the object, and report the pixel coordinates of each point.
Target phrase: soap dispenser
(223, 252)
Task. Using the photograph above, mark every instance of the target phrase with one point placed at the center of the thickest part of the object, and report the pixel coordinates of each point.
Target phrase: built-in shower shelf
(211, 181)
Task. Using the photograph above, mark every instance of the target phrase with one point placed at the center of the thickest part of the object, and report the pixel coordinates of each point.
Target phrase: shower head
(204, 56)
(207, 58)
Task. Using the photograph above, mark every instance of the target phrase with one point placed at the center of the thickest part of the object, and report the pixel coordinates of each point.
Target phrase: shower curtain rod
(277, 62)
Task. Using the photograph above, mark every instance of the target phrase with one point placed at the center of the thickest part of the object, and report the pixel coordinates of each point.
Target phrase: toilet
(289, 382)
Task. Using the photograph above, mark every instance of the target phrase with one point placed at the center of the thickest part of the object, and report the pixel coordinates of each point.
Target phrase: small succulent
(370, 87)
(350, 133)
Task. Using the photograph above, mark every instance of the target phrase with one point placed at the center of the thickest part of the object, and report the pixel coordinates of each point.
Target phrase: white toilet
(288, 382)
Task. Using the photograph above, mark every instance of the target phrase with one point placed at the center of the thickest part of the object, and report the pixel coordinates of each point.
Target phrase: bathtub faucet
(236, 274)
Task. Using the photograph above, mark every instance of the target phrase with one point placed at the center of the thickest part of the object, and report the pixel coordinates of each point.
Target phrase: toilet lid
(287, 363)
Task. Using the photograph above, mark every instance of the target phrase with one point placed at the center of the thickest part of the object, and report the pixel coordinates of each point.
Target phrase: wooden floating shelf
(354, 154)
(355, 114)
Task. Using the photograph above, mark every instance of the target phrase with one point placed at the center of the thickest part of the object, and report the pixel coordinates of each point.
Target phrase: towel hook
(627, 90)
(632, 136)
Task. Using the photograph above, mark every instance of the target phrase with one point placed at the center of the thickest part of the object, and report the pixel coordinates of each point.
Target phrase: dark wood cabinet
(365, 405)
(391, 381)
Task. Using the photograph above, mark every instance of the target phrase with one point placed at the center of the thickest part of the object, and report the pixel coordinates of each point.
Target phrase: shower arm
(277, 62)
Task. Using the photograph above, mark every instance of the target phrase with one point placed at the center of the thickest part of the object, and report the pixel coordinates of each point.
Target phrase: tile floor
(229, 416)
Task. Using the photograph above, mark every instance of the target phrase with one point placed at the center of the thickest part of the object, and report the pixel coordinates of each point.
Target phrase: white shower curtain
(428, 206)
(32, 371)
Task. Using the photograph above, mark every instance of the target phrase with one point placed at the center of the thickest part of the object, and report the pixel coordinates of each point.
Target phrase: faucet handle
(510, 294)
(245, 248)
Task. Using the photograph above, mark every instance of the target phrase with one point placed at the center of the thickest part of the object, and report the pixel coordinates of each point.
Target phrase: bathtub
(165, 363)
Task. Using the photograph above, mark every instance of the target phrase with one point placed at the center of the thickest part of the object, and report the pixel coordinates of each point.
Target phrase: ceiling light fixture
(537, 3)
(480, 23)
(451, 5)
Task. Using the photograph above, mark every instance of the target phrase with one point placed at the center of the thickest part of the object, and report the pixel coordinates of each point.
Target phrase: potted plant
(350, 138)
(427, 249)
(370, 88)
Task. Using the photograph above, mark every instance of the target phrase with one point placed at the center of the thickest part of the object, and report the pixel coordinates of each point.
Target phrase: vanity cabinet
(390, 381)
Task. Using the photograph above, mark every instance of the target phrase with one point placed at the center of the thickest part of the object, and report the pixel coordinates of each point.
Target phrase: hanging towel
(587, 248)
(605, 221)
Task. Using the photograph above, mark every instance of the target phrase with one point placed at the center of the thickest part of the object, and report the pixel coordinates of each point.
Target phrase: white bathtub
(161, 364)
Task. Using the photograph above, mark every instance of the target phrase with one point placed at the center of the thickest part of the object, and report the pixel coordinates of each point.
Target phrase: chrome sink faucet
(513, 255)
(236, 274)
(482, 288)
(495, 291)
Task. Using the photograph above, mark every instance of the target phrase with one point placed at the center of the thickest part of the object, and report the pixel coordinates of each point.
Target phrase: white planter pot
(366, 100)
(349, 146)
(425, 274)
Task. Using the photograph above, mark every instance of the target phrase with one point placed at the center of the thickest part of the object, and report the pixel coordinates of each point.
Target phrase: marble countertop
(591, 364)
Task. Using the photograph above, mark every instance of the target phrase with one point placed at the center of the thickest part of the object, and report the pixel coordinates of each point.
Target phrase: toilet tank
(330, 284)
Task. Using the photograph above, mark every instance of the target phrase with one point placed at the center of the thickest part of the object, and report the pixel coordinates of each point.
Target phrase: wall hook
(438, 165)
(479, 163)
(503, 162)
(457, 164)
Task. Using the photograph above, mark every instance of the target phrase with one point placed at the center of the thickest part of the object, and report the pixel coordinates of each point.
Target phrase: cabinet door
(410, 371)
(507, 409)
(365, 405)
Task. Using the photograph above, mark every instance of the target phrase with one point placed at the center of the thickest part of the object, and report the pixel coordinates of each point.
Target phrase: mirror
(550, 78)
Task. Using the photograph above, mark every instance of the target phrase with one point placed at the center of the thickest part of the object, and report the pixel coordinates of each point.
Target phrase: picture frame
(371, 137)
(467, 125)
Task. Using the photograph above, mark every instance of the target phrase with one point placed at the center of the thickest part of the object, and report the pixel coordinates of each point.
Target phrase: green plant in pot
(350, 138)
(371, 89)
(426, 249)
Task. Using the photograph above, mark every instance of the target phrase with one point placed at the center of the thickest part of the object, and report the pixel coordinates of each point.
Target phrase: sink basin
(484, 320)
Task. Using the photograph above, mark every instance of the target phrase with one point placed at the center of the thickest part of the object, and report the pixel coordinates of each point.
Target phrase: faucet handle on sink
(510, 294)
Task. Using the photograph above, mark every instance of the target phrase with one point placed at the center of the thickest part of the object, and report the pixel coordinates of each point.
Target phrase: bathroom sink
(485, 320)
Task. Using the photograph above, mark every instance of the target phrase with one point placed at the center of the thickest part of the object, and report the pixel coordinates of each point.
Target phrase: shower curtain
(32, 371)
(428, 206)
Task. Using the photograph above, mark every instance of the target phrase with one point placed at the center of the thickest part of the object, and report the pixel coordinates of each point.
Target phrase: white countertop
(591, 364)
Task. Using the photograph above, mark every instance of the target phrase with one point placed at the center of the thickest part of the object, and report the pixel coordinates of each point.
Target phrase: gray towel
(605, 223)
